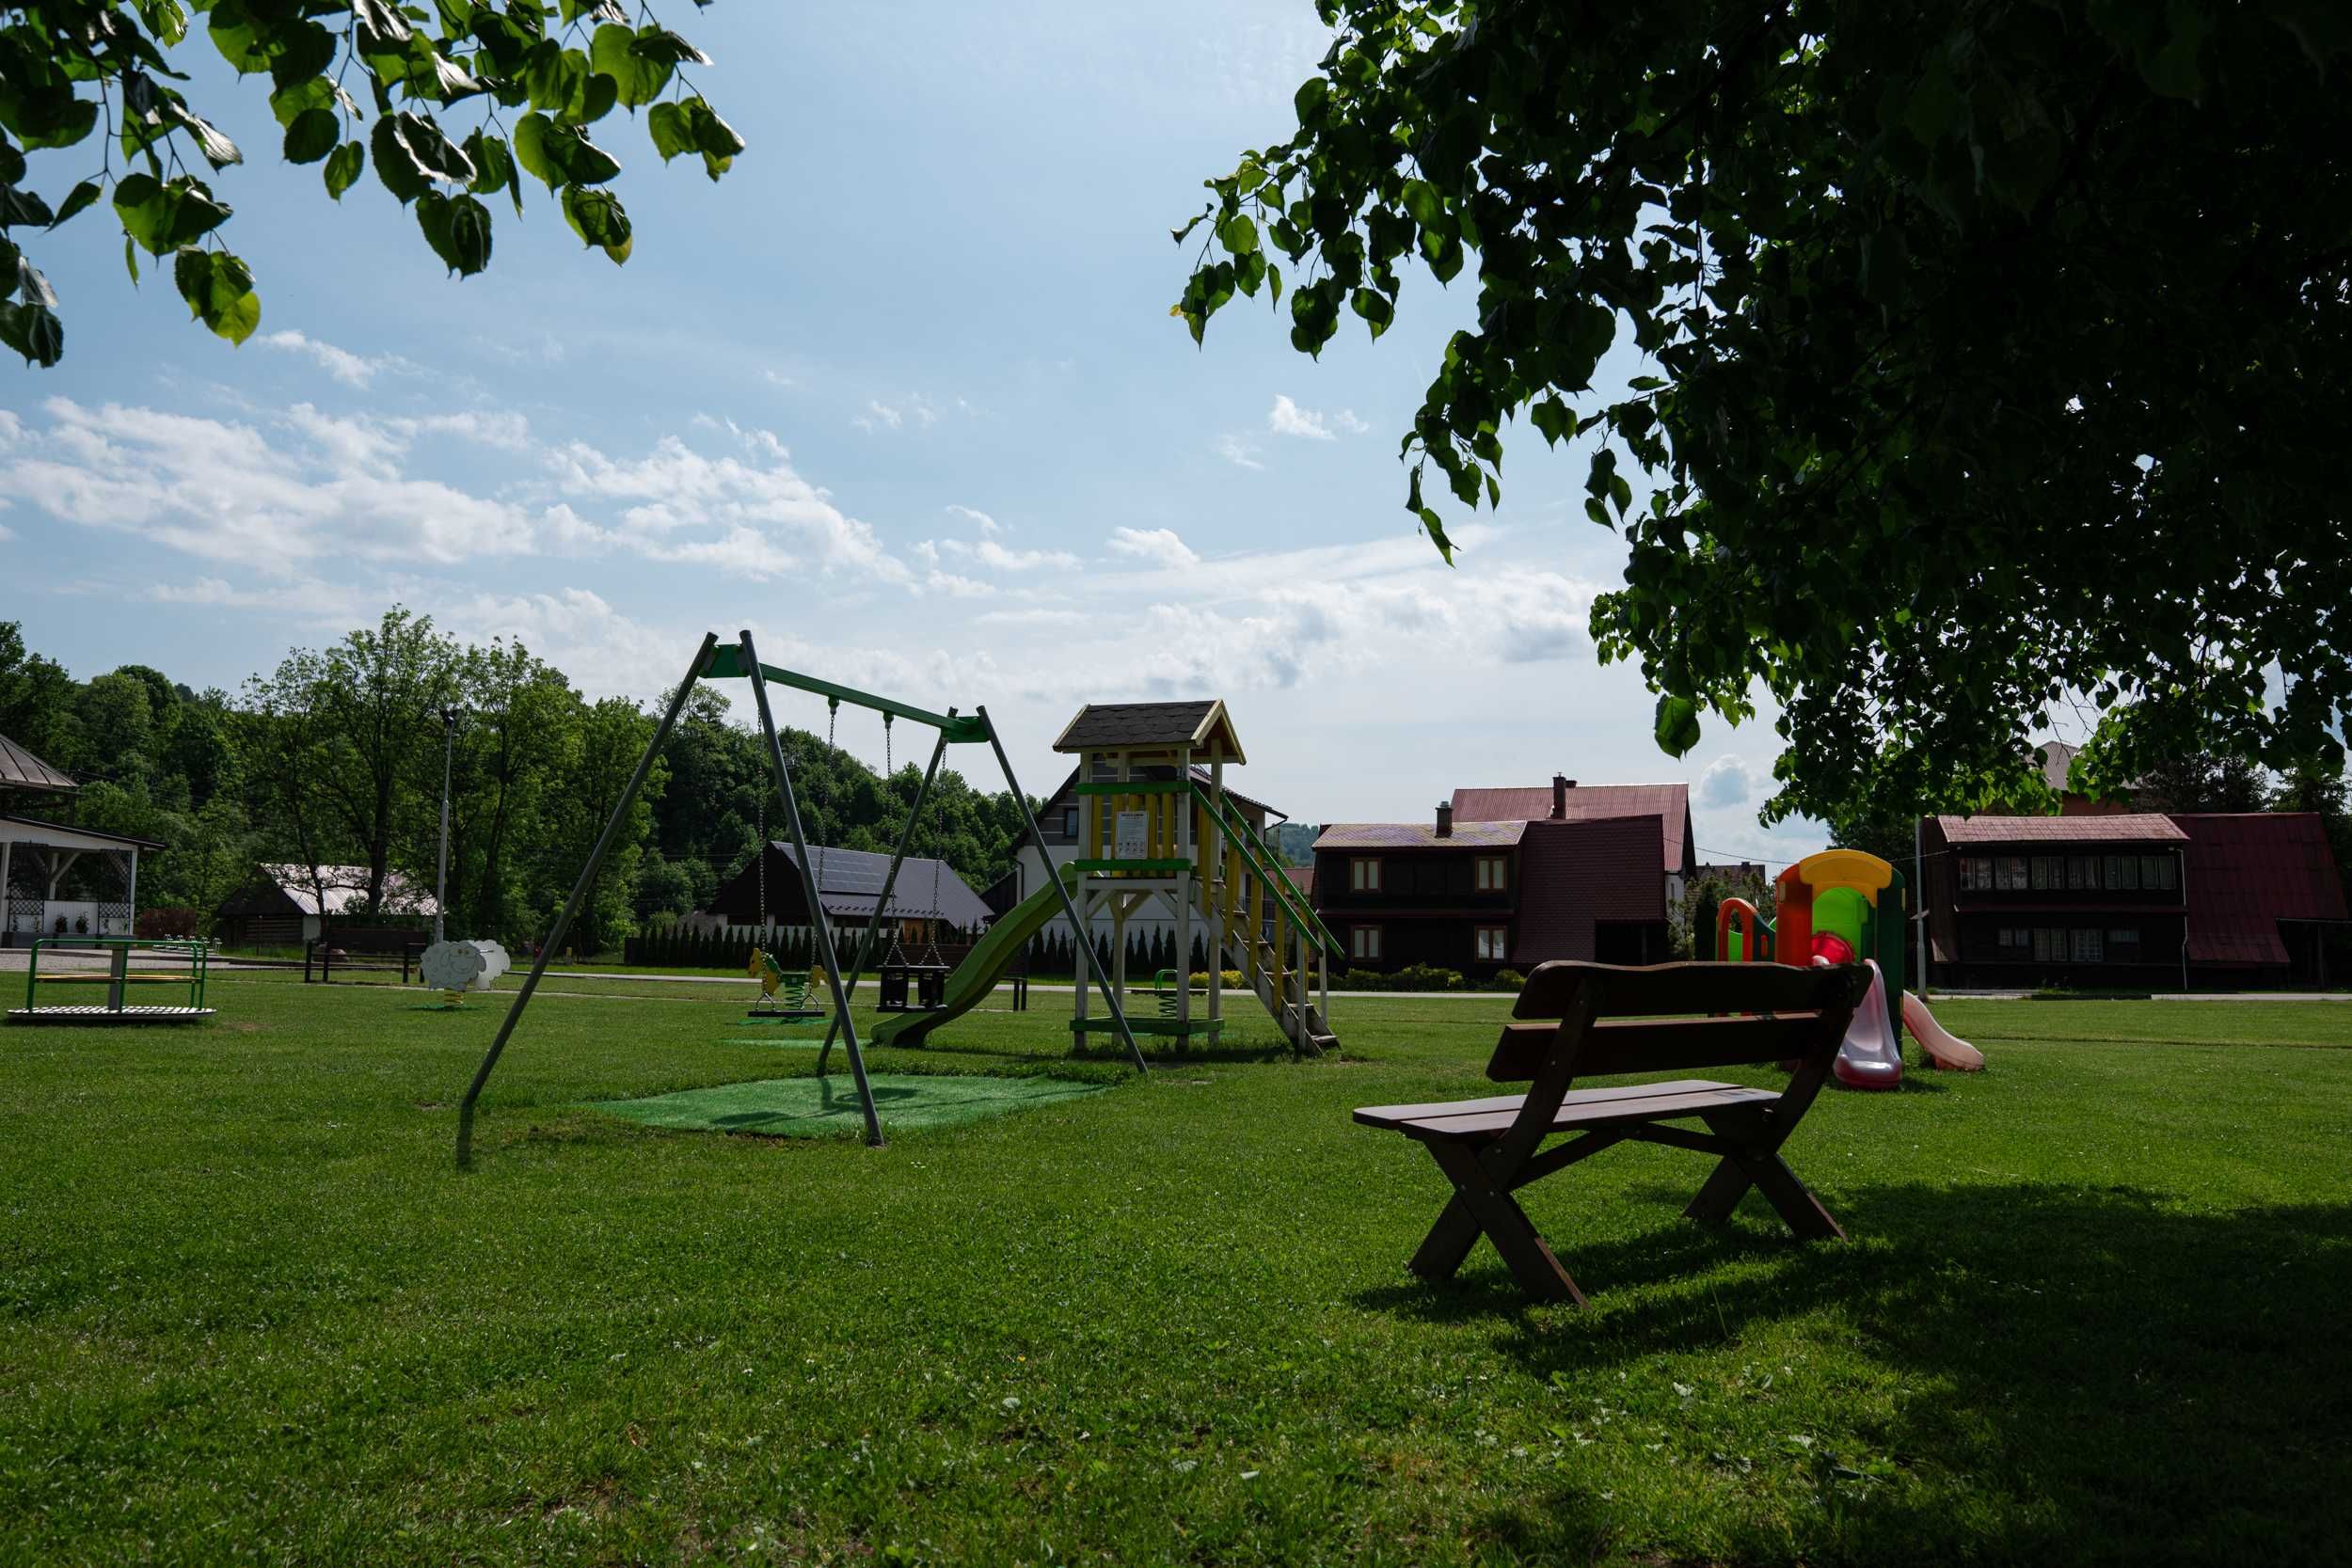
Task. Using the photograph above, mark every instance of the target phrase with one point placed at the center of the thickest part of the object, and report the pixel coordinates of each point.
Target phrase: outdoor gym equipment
(1845, 907)
(121, 982)
(713, 661)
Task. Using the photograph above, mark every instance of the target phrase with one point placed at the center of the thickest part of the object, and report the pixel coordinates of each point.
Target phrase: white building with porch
(57, 879)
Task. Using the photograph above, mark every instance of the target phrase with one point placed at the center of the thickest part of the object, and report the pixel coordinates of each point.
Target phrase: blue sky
(900, 393)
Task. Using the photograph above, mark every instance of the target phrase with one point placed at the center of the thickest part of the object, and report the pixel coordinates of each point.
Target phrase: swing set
(714, 661)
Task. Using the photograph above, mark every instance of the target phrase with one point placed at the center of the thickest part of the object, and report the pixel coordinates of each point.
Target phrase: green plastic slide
(977, 976)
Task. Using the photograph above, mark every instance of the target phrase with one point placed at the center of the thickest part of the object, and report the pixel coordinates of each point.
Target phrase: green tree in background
(1992, 354)
(451, 105)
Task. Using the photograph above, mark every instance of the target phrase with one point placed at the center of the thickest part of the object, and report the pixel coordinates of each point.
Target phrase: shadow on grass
(2090, 1374)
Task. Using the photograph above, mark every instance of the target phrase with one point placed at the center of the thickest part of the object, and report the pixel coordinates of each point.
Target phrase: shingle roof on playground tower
(1105, 726)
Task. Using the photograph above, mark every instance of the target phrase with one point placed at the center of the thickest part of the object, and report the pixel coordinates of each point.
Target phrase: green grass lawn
(2097, 1305)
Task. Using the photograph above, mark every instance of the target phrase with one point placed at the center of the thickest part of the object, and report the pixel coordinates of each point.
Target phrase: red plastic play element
(1833, 947)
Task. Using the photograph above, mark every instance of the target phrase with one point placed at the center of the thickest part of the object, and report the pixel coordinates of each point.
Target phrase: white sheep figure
(453, 968)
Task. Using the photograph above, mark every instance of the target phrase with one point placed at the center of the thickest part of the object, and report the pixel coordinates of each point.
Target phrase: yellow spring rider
(783, 998)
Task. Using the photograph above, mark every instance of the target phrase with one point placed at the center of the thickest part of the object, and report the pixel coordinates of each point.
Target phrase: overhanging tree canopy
(96, 75)
(1997, 350)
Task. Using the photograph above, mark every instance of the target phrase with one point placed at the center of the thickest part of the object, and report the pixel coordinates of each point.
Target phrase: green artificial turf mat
(821, 1107)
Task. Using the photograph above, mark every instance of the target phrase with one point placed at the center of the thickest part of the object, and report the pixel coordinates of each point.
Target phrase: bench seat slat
(1393, 1116)
(1487, 1124)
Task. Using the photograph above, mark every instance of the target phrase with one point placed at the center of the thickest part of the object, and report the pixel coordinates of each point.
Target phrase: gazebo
(37, 856)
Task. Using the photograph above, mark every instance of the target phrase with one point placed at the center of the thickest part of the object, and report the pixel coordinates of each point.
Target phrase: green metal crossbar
(727, 663)
(1167, 863)
(1260, 858)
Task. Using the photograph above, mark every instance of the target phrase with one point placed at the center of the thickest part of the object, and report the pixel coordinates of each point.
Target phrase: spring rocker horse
(781, 997)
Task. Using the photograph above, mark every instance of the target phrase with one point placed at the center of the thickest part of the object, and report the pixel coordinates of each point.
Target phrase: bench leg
(1758, 1164)
(1494, 1212)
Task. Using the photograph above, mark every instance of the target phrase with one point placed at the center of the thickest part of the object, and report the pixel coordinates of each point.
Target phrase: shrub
(1507, 980)
(167, 920)
(1363, 979)
(1232, 978)
(1426, 977)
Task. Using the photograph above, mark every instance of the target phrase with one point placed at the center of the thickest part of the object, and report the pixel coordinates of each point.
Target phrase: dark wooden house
(928, 902)
(1482, 896)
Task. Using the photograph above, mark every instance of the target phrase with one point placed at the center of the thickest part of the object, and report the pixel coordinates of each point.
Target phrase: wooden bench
(363, 947)
(1601, 1021)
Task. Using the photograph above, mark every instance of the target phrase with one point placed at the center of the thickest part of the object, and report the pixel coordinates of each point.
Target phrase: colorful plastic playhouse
(1842, 907)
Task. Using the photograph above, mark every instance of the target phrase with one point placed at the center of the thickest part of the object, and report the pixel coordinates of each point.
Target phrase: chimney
(1560, 784)
(1445, 819)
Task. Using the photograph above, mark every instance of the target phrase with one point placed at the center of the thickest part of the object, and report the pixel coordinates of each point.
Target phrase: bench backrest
(1590, 1021)
(374, 939)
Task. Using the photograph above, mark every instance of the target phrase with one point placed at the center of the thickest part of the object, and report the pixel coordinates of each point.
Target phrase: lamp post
(440, 874)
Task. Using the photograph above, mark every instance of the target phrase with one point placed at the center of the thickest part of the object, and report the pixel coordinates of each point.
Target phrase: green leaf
(165, 217)
(1677, 728)
(29, 283)
(434, 152)
(1238, 234)
(1374, 307)
(457, 229)
(11, 163)
(494, 168)
(287, 103)
(1550, 416)
(597, 216)
(24, 209)
(219, 292)
(9, 257)
(78, 197)
(313, 135)
(596, 100)
(35, 332)
(218, 149)
(638, 76)
(343, 168)
(395, 165)
(131, 259)
(673, 133)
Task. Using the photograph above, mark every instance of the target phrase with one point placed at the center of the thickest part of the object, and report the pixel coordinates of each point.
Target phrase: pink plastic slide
(1944, 1049)
(1871, 1058)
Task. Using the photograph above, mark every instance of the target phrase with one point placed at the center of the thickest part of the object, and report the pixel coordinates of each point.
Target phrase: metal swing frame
(717, 662)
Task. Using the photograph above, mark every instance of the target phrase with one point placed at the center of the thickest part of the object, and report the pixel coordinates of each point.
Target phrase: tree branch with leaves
(94, 77)
(1995, 355)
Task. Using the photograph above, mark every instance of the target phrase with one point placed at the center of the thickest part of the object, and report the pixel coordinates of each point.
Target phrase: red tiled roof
(1419, 835)
(1669, 802)
(1302, 878)
(2244, 872)
(1580, 871)
(2123, 827)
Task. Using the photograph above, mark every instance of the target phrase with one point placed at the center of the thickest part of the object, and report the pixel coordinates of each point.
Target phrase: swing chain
(886, 764)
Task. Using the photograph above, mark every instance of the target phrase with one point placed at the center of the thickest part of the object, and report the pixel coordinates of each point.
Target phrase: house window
(1492, 876)
(1976, 874)
(1070, 822)
(2089, 946)
(2013, 940)
(1363, 875)
(2049, 946)
(2122, 873)
(2082, 874)
(2159, 873)
(2010, 875)
(1494, 943)
(2124, 944)
(2048, 872)
(1364, 941)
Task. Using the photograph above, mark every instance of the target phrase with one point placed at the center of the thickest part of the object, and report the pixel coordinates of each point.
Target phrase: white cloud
(996, 558)
(350, 369)
(5, 533)
(879, 415)
(284, 494)
(978, 520)
(1287, 418)
(1730, 781)
(1158, 546)
(1241, 454)
(1031, 618)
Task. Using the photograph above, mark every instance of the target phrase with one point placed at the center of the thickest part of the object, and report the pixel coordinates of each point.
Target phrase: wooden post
(1181, 803)
(1212, 887)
